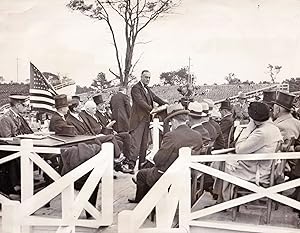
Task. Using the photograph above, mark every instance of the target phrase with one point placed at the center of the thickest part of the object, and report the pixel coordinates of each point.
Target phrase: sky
(220, 37)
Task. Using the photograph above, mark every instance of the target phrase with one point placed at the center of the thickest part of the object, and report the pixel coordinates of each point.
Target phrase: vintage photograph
(138, 116)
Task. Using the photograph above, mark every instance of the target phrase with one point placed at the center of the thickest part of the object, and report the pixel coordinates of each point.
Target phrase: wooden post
(125, 222)
(155, 135)
(27, 178)
(107, 185)
(185, 197)
(67, 199)
(10, 217)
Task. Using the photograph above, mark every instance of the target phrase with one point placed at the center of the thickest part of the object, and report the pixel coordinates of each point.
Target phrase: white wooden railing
(17, 216)
(173, 190)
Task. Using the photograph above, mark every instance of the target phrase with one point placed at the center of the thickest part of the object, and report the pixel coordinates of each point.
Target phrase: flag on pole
(41, 91)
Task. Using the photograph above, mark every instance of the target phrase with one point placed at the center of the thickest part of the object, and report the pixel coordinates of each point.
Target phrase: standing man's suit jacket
(120, 107)
(142, 104)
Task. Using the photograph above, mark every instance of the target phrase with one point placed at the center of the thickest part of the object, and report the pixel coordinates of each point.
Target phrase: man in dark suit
(227, 121)
(180, 136)
(120, 108)
(142, 104)
(13, 124)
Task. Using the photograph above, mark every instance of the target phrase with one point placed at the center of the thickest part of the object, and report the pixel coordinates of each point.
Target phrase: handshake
(159, 109)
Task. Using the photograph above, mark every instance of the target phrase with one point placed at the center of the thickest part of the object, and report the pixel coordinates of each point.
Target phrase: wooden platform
(124, 188)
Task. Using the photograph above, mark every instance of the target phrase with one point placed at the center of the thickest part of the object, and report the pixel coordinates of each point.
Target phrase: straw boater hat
(205, 108)
(259, 111)
(196, 110)
(98, 99)
(174, 110)
(285, 100)
(61, 101)
(210, 103)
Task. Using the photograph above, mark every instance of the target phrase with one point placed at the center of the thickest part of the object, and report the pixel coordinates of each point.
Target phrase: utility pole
(17, 69)
(189, 72)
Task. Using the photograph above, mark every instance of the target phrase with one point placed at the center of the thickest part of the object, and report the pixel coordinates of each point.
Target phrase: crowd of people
(250, 127)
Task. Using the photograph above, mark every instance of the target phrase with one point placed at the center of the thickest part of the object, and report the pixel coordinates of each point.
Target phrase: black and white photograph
(139, 116)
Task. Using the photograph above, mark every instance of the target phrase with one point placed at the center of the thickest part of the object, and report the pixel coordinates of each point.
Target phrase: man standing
(142, 104)
(120, 108)
(226, 122)
(240, 109)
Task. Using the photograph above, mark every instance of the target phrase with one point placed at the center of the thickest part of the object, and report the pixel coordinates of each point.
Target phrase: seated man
(226, 121)
(95, 128)
(260, 136)
(13, 124)
(180, 136)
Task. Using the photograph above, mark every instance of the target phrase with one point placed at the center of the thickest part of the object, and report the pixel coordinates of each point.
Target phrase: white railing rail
(17, 216)
(174, 188)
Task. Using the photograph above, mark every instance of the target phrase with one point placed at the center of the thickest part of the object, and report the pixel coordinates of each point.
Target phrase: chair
(238, 191)
(198, 178)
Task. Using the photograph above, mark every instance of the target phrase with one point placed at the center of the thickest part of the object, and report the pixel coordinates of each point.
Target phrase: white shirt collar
(196, 125)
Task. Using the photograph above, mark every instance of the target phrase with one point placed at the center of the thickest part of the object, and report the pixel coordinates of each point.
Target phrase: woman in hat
(260, 136)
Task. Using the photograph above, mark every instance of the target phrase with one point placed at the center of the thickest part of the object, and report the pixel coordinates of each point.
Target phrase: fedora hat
(174, 110)
(242, 95)
(259, 111)
(67, 130)
(285, 100)
(61, 101)
(195, 109)
(98, 99)
(225, 105)
(205, 107)
(269, 97)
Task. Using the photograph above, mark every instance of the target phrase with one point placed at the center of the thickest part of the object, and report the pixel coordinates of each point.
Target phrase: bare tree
(136, 15)
(273, 71)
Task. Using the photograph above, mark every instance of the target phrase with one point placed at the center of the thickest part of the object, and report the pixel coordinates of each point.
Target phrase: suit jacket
(142, 104)
(204, 133)
(92, 124)
(182, 136)
(57, 123)
(226, 124)
(211, 131)
(13, 125)
(288, 126)
(102, 117)
(120, 108)
(80, 127)
(219, 141)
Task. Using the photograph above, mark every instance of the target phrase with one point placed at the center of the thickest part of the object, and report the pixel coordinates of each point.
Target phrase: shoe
(120, 159)
(132, 201)
(126, 169)
(133, 180)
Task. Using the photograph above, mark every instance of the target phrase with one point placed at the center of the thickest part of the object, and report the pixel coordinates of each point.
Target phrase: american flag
(41, 91)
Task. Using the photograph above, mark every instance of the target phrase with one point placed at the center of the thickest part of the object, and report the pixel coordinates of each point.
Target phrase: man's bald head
(90, 107)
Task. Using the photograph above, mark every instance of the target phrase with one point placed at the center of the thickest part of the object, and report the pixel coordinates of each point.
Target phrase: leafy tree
(273, 72)
(294, 84)
(178, 77)
(135, 15)
(80, 90)
(232, 79)
(100, 82)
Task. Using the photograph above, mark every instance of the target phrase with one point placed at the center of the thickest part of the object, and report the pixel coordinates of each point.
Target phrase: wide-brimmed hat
(61, 101)
(226, 105)
(269, 97)
(259, 111)
(98, 99)
(205, 107)
(210, 103)
(242, 95)
(67, 130)
(285, 100)
(174, 110)
(195, 109)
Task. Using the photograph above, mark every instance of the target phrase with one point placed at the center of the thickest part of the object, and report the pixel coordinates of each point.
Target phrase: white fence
(17, 216)
(173, 191)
